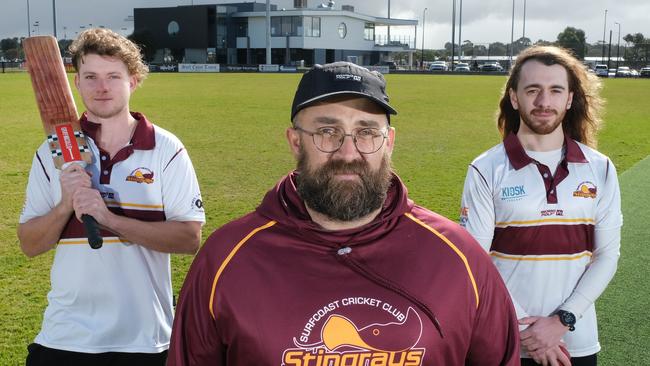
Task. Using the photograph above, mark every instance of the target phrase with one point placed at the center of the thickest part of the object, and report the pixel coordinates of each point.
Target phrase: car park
(438, 66)
(645, 72)
(611, 73)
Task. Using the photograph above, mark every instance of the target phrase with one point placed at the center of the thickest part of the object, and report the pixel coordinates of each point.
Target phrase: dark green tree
(8, 44)
(637, 55)
(573, 39)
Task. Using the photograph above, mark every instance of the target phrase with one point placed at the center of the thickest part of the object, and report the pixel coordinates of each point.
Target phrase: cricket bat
(59, 115)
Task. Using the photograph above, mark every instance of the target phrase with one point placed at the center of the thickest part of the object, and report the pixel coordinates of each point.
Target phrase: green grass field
(233, 126)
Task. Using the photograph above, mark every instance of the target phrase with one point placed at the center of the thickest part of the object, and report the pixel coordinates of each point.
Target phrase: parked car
(491, 67)
(611, 73)
(623, 72)
(438, 66)
(461, 67)
(601, 70)
(391, 64)
(645, 72)
(634, 73)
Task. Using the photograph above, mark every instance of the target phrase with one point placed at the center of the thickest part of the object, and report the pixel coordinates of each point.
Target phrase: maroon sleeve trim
(42, 166)
(173, 157)
(481, 175)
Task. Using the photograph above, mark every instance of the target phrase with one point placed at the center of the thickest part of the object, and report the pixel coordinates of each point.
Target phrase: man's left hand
(89, 201)
(543, 332)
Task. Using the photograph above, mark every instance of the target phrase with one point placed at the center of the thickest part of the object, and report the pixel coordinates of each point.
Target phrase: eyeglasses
(330, 139)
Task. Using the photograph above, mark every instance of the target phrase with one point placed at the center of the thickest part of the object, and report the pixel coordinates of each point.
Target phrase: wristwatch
(567, 319)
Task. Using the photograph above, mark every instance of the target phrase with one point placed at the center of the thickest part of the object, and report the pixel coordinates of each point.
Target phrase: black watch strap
(567, 318)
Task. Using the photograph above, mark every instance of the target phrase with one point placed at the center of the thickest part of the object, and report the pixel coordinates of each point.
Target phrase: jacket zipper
(343, 257)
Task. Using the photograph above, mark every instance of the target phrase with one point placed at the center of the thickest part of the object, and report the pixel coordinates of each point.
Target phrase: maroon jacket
(410, 288)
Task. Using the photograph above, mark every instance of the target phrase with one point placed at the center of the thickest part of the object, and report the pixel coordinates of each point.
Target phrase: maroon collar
(519, 159)
(143, 136)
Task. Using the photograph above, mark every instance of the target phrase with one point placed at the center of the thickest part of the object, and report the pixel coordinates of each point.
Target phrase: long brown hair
(583, 119)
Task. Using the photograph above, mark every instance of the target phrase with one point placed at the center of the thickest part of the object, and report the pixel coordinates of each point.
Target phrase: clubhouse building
(236, 33)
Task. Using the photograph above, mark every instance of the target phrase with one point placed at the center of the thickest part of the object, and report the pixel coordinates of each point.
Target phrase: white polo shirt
(117, 298)
(554, 237)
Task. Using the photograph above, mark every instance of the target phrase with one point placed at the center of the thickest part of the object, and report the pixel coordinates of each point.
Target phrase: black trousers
(39, 356)
(575, 361)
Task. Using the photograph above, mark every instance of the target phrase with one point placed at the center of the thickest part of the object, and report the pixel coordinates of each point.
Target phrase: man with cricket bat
(112, 305)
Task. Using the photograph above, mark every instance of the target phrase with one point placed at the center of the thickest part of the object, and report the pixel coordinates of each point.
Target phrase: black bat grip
(92, 231)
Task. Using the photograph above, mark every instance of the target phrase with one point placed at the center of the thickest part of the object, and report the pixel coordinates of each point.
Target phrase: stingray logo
(141, 175)
(585, 190)
(344, 343)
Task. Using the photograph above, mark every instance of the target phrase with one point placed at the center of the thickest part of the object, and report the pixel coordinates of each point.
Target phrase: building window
(369, 32)
(286, 26)
(311, 26)
(343, 30)
(173, 28)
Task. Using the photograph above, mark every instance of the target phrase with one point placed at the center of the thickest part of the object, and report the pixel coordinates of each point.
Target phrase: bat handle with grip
(92, 231)
(90, 224)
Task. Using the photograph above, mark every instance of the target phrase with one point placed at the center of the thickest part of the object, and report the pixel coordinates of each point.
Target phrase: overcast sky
(484, 21)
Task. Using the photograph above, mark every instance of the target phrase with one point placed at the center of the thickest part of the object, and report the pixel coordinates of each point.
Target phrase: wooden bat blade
(55, 101)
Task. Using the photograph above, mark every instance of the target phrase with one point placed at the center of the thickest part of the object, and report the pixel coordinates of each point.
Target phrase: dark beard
(343, 200)
(542, 129)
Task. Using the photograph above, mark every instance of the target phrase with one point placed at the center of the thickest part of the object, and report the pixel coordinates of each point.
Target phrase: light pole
(460, 33)
(618, 44)
(389, 24)
(424, 19)
(523, 33)
(453, 32)
(512, 34)
(29, 23)
(54, 17)
(602, 58)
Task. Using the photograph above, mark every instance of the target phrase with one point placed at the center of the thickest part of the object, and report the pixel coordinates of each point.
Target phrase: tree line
(635, 50)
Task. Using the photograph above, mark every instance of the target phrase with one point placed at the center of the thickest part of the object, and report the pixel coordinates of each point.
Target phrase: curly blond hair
(105, 42)
(583, 120)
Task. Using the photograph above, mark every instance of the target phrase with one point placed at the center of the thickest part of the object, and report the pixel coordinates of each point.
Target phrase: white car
(645, 72)
(601, 70)
(438, 66)
(623, 72)
(461, 67)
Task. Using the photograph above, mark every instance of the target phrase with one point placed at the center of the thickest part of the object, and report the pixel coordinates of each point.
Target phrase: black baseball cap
(339, 78)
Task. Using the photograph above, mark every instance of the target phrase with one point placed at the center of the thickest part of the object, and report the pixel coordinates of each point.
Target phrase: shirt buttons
(552, 191)
(105, 172)
(545, 175)
(103, 157)
(344, 251)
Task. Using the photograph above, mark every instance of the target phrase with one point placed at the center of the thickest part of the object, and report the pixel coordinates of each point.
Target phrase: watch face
(567, 318)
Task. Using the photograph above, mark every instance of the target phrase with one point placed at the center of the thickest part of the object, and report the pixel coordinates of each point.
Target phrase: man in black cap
(337, 266)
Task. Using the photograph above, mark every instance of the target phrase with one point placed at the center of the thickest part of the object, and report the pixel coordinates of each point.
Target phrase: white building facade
(235, 33)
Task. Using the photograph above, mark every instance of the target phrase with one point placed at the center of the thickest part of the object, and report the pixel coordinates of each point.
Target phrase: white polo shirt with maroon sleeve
(554, 236)
(117, 298)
